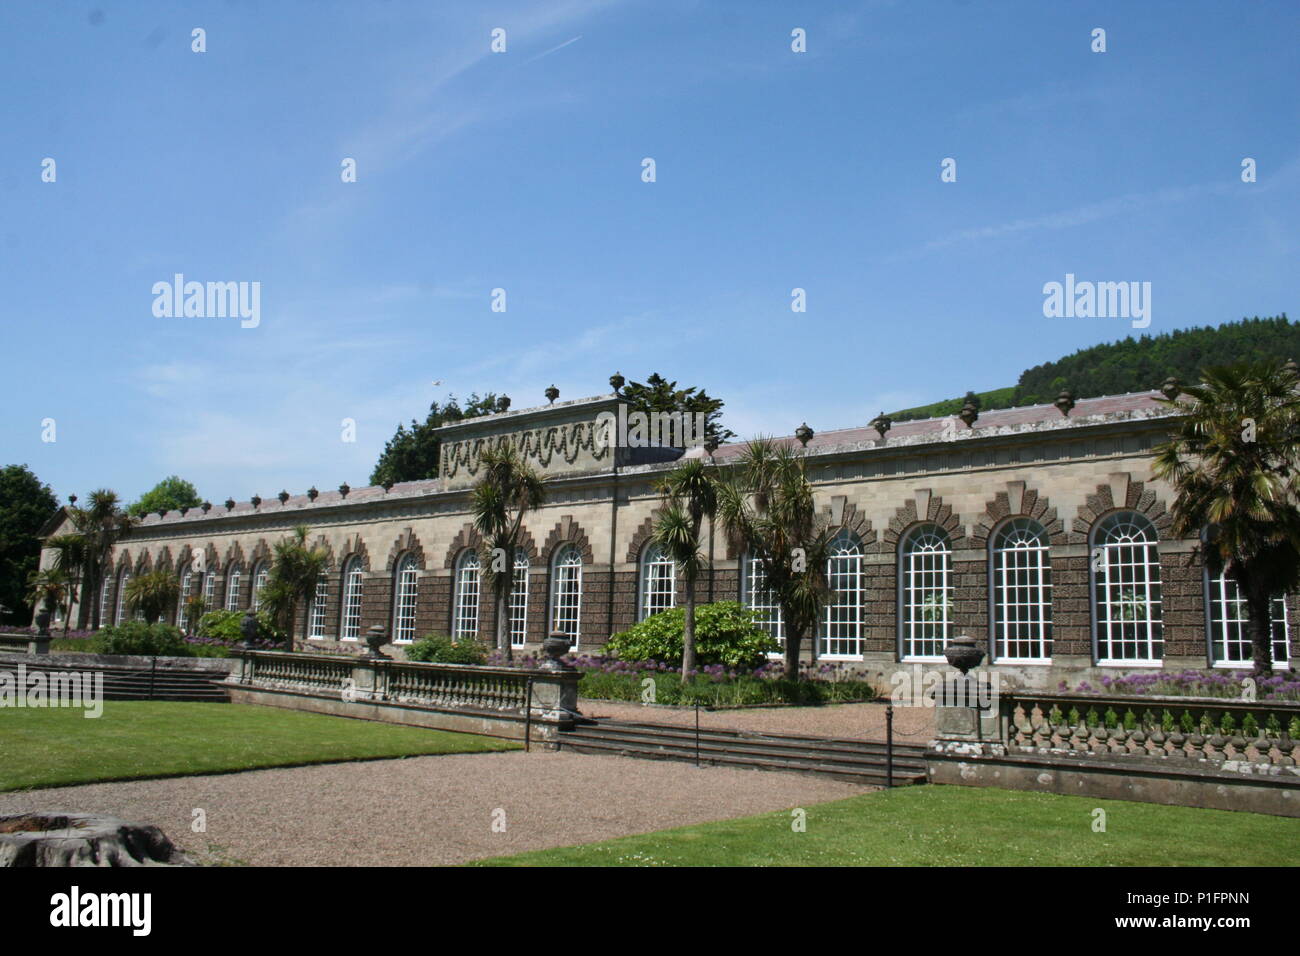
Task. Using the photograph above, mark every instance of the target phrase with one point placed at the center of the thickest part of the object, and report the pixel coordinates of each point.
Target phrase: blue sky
(522, 170)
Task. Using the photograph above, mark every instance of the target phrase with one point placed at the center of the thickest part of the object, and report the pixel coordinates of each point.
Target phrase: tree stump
(51, 838)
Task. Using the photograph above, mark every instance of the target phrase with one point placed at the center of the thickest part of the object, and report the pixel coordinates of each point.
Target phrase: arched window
(658, 581)
(464, 621)
(758, 597)
(261, 571)
(566, 591)
(187, 578)
(925, 593)
(519, 600)
(842, 620)
(1126, 590)
(316, 620)
(1230, 643)
(120, 614)
(105, 591)
(406, 588)
(1021, 574)
(350, 609)
(233, 577)
(209, 590)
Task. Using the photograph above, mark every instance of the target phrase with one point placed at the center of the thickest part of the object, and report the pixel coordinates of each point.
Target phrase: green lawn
(953, 826)
(50, 747)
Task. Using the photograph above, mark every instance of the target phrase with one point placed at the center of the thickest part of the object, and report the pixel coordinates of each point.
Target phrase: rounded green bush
(439, 649)
(137, 637)
(725, 633)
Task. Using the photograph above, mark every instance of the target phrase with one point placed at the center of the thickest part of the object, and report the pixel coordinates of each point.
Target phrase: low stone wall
(1220, 753)
(487, 700)
(1232, 785)
(216, 666)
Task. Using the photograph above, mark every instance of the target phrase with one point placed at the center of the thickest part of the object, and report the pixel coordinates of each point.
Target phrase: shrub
(725, 634)
(438, 649)
(137, 637)
(224, 626)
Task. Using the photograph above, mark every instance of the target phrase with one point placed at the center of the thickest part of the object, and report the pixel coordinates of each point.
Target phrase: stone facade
(1065, 472)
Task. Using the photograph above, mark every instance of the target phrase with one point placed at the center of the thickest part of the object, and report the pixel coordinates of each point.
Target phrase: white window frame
(350, 604)
(1228, 625)
(566, 593)
(465, 596)
(119, 612)
(105, 610)
(924, 573)
(261, 571)
(187, 579)
(319, 603)
(1020, 593)
(842, 617)
(1125, 559)
(406, 592)
(758, 597)
(519, 600)
(209, 589)
(658, 582)
(234, 575)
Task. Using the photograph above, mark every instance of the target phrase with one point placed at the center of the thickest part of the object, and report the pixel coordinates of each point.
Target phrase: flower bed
(607, 678)
(1195, 683)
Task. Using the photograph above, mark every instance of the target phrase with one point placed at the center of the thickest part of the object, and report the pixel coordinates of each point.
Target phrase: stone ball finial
(1064, 402)
(344, 489)
(552, 394)
(1172, 388)
(617, 381)
(881, 424)
(804, 434)
(969, 413)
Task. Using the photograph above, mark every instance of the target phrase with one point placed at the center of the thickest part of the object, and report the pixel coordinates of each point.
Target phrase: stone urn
(963, 653)
(43, 621)
(248, 628)
(375, 640)
(555, 647)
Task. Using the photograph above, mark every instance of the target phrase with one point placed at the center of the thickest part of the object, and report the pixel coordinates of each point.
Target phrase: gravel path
(912, 725)
(424, 811)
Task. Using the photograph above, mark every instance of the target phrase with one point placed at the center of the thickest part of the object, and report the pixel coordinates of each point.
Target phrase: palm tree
(1232, 460)
(102, 525)
(766, 506)
(296, 569)
(152, 595)
(49, 589)
(71, 556)
(507, 489)
(690, 495)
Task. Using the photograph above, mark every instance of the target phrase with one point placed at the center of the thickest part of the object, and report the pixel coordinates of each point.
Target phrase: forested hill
(1134, 365)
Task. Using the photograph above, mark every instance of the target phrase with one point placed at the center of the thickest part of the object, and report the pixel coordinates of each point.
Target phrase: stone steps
(853, 760)
(134, 683)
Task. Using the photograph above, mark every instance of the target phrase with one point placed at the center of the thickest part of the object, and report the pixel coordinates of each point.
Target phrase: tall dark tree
(1233, 460)
(412, 453)
(25, 505)
(658, 394)
(170, 494)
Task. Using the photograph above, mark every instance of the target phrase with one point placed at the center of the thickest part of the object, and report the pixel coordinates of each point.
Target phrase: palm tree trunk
(793, 641)
(1259, 615)
(688, 630)
(503, 617)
